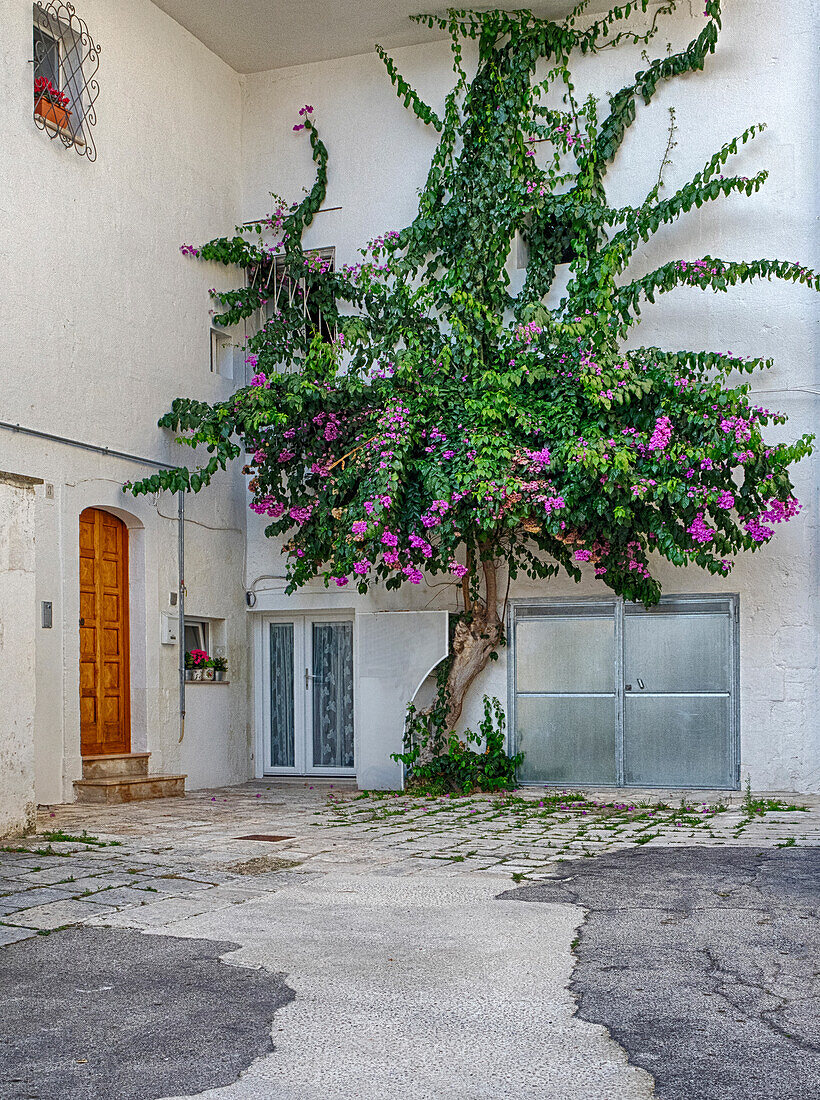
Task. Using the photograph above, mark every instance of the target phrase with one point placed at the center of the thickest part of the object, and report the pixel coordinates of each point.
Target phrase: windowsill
(208, 683)
(76, 139)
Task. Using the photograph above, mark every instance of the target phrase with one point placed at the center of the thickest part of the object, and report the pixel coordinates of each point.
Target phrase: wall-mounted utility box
(169, 629)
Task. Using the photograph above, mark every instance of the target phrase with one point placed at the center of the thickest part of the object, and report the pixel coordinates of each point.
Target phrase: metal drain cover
(263, 836)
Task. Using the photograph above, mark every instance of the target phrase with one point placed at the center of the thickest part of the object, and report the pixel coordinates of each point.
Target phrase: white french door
(307, 712)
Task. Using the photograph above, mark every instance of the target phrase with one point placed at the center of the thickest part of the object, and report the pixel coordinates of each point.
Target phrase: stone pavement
(176, 858)
(381, 914)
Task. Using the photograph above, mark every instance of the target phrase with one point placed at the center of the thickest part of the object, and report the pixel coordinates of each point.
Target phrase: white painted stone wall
(17, 627)
(764, 70)
(104, 323)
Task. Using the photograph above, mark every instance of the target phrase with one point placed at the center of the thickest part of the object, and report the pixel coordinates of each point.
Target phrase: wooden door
(104, 665)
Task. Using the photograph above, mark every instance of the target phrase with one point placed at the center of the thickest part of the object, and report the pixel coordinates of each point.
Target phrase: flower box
(52, 112)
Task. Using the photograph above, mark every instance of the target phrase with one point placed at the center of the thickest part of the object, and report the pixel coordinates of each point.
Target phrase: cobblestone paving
(155, 863)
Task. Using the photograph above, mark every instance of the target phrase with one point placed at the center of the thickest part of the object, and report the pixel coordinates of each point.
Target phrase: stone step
(129, 788)
(119, 763)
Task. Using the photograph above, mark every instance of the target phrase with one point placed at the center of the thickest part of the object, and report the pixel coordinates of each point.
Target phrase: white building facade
(105, 322)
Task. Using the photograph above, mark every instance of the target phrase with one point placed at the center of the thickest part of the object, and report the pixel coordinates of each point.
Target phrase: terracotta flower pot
(52, 112)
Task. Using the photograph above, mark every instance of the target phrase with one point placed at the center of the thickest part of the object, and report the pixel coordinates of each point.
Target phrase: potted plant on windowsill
(208, 671)
(220, 667)
(50, 103)
(196, 661)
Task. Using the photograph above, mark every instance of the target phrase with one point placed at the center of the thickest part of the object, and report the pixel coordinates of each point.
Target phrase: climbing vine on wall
(455, 427)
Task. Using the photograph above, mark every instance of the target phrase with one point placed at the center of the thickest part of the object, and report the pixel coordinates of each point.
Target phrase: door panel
(567, 740)
(564, 655)
(104, 667)
(677, 652)
(332, 710)
(677, 741)
(281, 683)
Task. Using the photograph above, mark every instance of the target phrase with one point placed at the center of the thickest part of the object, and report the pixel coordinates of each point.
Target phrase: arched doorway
(105, 704)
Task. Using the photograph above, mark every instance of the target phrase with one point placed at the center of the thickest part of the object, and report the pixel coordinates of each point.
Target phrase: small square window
(221, 354)
(196, 635)
(282, 290)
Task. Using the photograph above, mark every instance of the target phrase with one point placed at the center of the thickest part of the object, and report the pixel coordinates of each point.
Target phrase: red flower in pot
(50, 103)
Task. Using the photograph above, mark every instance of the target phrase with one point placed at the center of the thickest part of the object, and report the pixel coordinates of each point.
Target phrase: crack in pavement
(715, 1004)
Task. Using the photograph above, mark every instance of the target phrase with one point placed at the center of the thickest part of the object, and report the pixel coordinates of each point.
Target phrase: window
(46, 56)
(221, 354)
(283, 290)
(547, 237)
(65, 62)
(196, 635)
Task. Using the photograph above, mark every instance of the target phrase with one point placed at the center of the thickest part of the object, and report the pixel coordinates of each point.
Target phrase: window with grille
(65, 63)
(283, 290)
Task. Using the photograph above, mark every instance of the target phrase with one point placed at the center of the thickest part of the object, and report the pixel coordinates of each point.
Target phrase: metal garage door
(608, 693)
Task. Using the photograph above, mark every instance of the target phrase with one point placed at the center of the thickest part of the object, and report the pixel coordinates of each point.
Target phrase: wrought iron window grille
(283, 290)
(66, 60)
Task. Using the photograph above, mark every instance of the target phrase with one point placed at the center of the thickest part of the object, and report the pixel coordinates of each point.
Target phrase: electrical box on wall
(170, 628)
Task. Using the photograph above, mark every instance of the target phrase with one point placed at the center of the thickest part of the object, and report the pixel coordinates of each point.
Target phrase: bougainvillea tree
(421, 420)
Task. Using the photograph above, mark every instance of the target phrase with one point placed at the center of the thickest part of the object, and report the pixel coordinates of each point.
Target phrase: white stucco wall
(17, 628)
(762, 71)
(104, 323)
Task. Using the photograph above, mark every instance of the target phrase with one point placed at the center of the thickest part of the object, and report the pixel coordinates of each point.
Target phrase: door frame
(301, 755)
(574, 603)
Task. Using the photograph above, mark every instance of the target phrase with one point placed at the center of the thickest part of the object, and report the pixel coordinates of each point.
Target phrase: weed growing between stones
(521, 833)
(91, 841)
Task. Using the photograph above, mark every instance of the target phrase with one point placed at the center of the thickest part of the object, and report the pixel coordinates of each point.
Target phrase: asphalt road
(703, 963)
(114, 1014)
(697, 966)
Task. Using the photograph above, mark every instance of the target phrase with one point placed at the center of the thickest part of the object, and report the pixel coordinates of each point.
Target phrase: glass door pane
(282, 717)
(567, 740)
(566, 704)
(677, 741)
(332, 694)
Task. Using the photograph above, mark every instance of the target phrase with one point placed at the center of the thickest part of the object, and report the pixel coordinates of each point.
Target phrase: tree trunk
(473, 644)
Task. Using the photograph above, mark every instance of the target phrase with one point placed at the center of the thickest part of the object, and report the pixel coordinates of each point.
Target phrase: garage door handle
(82, 622)
(641, 684)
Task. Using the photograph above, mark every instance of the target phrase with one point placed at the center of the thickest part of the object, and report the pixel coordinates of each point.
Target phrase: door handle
(641, 684)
